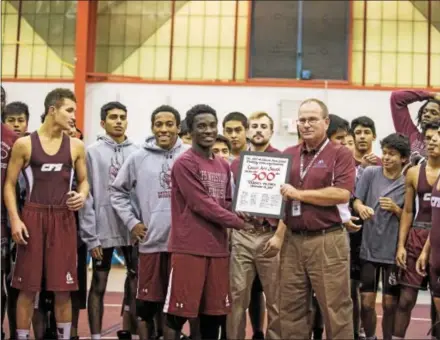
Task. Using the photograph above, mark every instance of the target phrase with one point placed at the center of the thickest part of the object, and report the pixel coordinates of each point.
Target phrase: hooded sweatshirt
(148, 172)
(99, 224)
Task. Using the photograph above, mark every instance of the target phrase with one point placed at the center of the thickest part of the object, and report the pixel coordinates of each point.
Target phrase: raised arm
(184, 177)
(399, 102)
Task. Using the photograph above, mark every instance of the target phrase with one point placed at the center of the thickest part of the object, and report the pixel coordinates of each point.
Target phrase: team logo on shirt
(51, 167)
(115, 165)
(427, 197)
(320, 164)
(165, 181)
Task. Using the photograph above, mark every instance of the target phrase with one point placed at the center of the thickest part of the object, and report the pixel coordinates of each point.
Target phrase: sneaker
(362, 335)
(258, 336)
(123, 335)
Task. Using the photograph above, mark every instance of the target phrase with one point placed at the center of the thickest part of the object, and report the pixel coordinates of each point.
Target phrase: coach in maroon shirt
(315, 254)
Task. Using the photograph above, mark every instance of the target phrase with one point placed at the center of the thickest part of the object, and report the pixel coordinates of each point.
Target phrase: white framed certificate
(260, 177)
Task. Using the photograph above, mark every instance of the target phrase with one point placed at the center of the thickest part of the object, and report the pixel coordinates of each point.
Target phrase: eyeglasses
(311, 121)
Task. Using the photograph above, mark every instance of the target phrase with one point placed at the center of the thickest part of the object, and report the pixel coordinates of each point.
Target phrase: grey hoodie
(148, 171)
(99, 224)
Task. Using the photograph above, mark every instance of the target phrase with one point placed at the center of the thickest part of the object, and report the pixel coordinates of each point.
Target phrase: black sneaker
(74, 337)
(258, 336)
(123, 335)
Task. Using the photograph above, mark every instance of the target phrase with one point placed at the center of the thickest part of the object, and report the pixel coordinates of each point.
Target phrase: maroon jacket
(200, 202)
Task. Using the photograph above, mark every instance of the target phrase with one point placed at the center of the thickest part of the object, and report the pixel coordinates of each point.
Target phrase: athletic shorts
(372, 271)
(50, 252)
(198, 285)
(106, 263)
(414, 245)
(153, 276)
(355, 251)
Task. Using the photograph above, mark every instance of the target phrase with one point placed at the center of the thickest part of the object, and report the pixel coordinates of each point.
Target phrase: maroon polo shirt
(333, 167)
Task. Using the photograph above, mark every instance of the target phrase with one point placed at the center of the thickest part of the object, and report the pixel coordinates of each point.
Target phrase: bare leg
(63, 314)
(25, 310)
(95, 305)
(368, 313)
(407, 301)
(389, 304)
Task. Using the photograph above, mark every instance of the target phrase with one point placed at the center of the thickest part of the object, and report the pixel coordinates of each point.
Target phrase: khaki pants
(320, 263)
(246, 262)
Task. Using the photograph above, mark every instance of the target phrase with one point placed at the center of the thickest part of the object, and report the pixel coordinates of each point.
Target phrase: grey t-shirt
(380, 233)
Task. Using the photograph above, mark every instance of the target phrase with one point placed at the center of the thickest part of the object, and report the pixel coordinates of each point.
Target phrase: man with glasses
(316, 252)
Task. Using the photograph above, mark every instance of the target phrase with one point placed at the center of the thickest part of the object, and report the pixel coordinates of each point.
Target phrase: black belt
(262, 230)
(318, 232)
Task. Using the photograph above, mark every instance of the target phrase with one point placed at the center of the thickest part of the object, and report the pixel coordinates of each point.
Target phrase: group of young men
(352, 219)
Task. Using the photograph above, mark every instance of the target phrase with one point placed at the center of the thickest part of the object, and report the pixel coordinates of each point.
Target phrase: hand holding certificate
(260, 177)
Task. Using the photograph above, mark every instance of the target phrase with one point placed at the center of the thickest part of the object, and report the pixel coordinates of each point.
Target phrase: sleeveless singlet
(435, 231)
(423, 200)
(49, 178)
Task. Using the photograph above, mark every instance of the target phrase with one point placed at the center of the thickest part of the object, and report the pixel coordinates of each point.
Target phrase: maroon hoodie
(403, 122)
(200, 203)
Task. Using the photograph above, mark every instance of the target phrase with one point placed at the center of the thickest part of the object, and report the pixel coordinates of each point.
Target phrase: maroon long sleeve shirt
(200, 203)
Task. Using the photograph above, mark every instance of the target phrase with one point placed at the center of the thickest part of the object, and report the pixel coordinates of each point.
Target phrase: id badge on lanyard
(295, 204)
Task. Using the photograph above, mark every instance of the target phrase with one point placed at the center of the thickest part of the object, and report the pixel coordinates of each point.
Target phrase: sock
(63, 330)
(96, 336)
(22, 334)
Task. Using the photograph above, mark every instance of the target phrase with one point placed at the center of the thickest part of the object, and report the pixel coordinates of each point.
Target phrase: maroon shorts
(153, 276)
(198, 285)
(414, 245)
(410, 277)
(50, 250)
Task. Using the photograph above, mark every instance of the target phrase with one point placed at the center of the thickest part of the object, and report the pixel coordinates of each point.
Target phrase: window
(172, 40)
(38, 39)
(396, 43)
(323, 44)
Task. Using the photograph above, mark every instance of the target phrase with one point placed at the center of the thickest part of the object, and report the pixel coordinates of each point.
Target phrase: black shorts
(372, 271)
(355, 250)
(105, 264)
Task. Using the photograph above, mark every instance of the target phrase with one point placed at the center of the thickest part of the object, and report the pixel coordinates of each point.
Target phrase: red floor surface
(418, 328)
